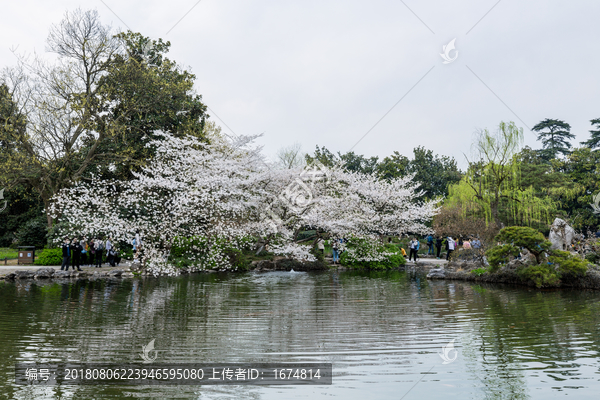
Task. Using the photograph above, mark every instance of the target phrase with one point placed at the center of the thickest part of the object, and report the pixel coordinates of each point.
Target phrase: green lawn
(8, 253)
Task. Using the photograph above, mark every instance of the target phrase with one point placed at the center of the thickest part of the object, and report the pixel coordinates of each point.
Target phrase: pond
(382, 331)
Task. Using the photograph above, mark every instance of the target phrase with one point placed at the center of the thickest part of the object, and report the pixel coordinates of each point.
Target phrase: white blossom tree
(225, 192)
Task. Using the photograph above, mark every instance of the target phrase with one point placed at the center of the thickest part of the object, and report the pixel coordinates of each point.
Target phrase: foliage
(594, 141)
(49, 257)
(546, 272)
(223, 191)
(479, 271)
(434, 173)
(92, 110)
(456, 221)
(8, 253)
(554, 135)
(370, 254)
(569, 265)
(33, 233)
(543, 275)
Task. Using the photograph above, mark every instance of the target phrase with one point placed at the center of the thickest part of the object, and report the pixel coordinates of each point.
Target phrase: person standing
(334, 250)
(92, 252)
(467, 245)
(476, 244)
(414, 248)
(108, 246)
(429, 244)
(321, 246)
(66, 255)
(77, 249)
(450, 245)
(84, 251)
(99, 249)
(438, 245)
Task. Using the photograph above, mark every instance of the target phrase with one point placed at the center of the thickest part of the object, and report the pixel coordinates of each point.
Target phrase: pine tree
(555, 139)
(594, 141)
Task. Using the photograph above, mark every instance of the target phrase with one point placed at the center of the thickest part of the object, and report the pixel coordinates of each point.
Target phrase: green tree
(94, 109)
(434, 173)
(554, 135)
(594, 141)
(393, 166)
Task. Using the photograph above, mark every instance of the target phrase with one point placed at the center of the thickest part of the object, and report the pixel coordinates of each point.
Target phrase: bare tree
(291, 156)
(60, 106)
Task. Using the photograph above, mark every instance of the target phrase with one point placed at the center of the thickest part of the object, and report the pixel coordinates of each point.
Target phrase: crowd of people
(78, 252)
(435, 244)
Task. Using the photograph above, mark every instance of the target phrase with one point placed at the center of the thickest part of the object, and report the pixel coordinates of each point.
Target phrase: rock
(561, 235)
(115, 272)
(135, 266)
(436, 273)
(127, 275)
(61, 274)
(9, 276)
(44, 273)
(24, 274)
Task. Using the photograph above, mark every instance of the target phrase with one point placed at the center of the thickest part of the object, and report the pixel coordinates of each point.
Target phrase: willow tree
(491, 187)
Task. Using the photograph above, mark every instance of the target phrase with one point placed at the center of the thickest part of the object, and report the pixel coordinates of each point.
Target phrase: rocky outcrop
(44, 273)
(436, 273)
(561, 235)
(24, 274)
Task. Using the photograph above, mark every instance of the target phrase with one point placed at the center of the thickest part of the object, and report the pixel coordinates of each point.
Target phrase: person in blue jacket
(414, 248)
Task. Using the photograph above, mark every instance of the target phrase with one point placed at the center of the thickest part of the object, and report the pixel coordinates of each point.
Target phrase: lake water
(383, 332)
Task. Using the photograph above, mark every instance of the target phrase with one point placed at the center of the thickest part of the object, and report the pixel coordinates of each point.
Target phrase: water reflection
(382, 331)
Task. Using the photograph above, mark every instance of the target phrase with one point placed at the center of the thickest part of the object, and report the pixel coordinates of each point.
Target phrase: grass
(6, 252)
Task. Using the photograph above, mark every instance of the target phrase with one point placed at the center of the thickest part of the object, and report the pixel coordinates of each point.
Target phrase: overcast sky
(325, 72)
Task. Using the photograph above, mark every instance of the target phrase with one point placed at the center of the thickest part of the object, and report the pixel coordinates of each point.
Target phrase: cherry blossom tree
(225, 193)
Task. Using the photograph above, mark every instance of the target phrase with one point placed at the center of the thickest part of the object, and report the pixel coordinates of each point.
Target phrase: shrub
(499, 255)
(568, 265)
(593, 257)
(370, 254)
(33, 233)
(479, 271)
(49, 257)
(543, 275)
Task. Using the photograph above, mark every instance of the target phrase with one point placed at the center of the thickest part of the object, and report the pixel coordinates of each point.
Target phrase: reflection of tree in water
(384, 319)
(523, 330)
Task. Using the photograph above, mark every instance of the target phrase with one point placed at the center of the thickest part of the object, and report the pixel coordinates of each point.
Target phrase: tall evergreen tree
(554, 135)
(594, 141)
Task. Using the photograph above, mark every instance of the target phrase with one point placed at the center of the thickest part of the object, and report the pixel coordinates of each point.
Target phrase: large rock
(115, 272)
(24, 274)
(62, 274)
(561, 235)
(436, 273)
(44, 273)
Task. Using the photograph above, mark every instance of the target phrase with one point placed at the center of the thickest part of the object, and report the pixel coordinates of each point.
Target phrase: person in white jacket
(450, 246)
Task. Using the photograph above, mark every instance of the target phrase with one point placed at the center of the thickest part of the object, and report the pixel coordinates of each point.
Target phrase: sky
(362, 75)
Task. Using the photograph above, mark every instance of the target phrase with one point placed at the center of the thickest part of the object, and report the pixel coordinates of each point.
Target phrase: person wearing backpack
(429, 244)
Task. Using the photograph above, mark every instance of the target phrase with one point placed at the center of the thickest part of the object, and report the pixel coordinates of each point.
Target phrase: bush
(479, 271)
(569, 265)
(49, 257)
(370, 254)
(33, 233)
(499, 255)
(543, 275)
(593, 257)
